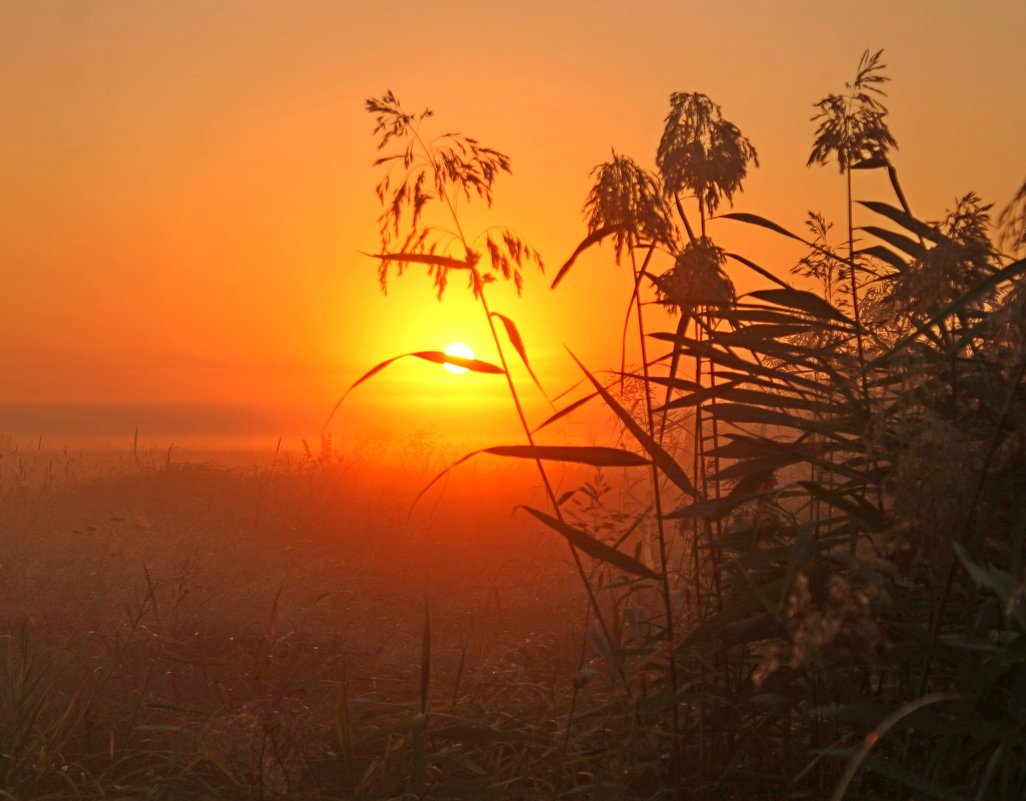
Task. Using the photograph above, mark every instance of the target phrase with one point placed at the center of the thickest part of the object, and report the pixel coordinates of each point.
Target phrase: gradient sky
(185, 185)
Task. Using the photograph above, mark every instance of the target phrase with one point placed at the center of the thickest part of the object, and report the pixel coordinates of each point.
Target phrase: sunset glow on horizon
(187, 189)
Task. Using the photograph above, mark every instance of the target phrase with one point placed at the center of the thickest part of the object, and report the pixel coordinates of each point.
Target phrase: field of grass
(192, 630)
(798, 571)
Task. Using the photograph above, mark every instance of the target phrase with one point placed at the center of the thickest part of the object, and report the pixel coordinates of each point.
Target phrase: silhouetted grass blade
(595, 455)
(665, 462)
(436, 356)
(859, 508)
(751, 265)
(430, 259)
(593, 547)
(565, 411)
(803, 301)
(885, 255)
(591, 239)
(474, 365)
(696, 397)
(713, 509)
(900, 241)
(905, 220)
(755, 219)
(518, 343)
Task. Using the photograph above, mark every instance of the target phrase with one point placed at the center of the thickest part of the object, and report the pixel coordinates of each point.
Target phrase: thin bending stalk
(660, 529)
(479, 288)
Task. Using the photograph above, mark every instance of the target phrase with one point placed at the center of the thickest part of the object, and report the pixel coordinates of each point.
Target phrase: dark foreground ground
(189, 630)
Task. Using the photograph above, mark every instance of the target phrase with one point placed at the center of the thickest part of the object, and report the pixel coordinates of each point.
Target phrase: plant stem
(657, 496)
(479, 291)
(855, 298)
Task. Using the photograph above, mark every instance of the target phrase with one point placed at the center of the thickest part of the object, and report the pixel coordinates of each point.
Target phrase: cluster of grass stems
(814, 589)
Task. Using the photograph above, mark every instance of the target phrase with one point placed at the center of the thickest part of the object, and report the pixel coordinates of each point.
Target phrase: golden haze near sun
(197, 181)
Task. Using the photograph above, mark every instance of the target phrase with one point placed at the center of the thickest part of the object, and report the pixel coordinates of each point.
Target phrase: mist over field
(563, 402)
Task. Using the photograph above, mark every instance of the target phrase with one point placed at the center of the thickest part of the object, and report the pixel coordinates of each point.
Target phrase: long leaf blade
(751, 265)
(900, 241)
(577, 404)
(422, 258)
(762, 222)
(662, 458)
(587, 242)
(905, 220)
(594, 455)
(803, 301)
(596, 549)
(518, 343)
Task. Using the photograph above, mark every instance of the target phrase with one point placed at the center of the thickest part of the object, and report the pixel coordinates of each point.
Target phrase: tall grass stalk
(853, 131)
(454, 164)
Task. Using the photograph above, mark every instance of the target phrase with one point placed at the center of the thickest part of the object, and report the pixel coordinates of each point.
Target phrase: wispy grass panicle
(449, 168)
(626, 202)
(852, 126)
(853, 131)
(702, 154)
(697, 278)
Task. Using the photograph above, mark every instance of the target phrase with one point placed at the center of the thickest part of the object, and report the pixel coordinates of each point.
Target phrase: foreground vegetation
(798, 574)
(192, 631)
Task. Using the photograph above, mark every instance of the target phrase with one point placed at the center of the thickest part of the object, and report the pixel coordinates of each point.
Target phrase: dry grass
(199, 627)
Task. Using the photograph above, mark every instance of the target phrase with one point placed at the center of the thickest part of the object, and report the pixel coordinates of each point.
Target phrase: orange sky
(185, 185)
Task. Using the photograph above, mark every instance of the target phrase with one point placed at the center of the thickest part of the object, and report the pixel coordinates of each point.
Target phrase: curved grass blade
(682, 384)
(577, 404)
(803, 301)
(885, 255)
(742, 315)
(436, 356)
(859, 508)
(596, 456)
(596, 549)
(745, 413)
(879, 731)
(422, 258)
(905, 220)
(474, 365)
(663, 460)
(700, 395)
(713, 509)
(760, 333)
(903, 243)
(751, 265)
(587, 242)
(518, 343)
(899, 193)
(762, 222)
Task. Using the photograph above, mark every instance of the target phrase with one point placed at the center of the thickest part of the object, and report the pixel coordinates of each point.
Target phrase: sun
(460, 350)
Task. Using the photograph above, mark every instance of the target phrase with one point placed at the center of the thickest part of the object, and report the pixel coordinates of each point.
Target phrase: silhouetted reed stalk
(463, 164)
(852, 130)
(701, 152)
(625, 203)
(657, 497)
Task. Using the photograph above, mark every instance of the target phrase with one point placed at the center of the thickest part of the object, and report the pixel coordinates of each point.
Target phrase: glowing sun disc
(460, 350)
